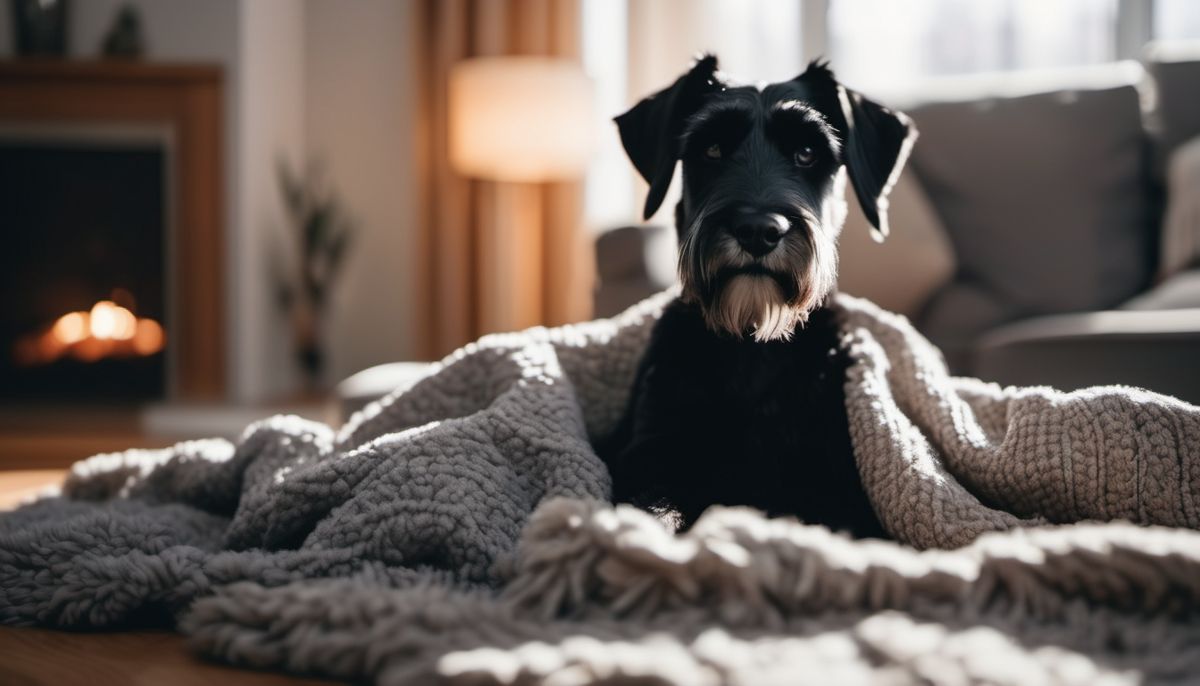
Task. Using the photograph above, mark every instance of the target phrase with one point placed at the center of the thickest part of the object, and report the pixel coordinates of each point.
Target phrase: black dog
(738, 399)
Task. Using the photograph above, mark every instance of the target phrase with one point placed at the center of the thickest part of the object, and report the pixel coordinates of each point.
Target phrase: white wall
(361, 124)
(270, 95)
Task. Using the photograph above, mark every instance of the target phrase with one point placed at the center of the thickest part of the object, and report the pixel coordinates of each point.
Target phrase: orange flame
(107, 330)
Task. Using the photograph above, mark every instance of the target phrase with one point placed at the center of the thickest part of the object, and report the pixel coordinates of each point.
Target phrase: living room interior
(225, 210)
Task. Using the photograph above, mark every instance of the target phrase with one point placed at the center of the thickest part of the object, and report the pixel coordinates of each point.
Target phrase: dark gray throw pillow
(1044, 197)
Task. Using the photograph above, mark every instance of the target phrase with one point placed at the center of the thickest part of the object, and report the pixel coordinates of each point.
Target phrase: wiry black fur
(716, 417)
(716, 420)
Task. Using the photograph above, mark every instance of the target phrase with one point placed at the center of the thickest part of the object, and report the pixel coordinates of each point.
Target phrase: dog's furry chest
(767, 401)
(720, 421)
(775, 406)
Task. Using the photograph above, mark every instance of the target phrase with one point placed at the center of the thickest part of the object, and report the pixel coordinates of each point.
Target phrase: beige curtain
(486, 267)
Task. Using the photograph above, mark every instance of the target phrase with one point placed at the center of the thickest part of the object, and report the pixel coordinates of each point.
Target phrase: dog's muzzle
(757, 271)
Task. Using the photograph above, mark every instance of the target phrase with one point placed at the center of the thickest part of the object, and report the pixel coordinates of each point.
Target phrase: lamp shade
(520, 118)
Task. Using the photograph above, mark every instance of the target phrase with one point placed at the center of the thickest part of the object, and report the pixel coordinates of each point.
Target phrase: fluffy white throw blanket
(457, 532)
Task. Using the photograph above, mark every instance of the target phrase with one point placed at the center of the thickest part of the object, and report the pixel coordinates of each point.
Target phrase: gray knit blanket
(457, 532)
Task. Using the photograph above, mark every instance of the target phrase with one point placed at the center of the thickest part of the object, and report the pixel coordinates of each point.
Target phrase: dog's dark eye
(805, 157)
(713, 152)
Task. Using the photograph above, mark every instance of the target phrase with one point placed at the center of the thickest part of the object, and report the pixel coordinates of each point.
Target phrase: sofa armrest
(632, 263)
(371, 384)
(1159, 351)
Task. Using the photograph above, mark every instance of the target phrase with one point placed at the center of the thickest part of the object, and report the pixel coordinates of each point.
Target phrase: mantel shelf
(46, 69)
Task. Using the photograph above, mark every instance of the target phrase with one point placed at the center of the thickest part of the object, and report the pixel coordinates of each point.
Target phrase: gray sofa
(1049, 194)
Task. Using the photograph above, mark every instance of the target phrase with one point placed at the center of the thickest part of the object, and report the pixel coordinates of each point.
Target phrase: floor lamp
(520, 122)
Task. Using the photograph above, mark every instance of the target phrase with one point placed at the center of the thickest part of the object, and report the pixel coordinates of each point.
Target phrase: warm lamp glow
(520, 118)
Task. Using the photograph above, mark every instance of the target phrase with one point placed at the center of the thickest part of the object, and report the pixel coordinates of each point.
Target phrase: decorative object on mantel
(40, 27)
(124, 38)
(322, 232)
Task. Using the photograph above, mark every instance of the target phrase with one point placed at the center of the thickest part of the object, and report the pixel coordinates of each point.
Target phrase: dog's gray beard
(757, 303)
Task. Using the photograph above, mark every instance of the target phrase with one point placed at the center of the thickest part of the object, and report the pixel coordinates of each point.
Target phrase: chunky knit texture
(457, 532)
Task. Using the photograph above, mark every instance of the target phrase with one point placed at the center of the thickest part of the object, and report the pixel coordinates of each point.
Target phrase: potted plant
(321, 234)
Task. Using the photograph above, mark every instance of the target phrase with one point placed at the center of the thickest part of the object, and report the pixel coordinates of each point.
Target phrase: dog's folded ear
(876, 144)
(651, 130)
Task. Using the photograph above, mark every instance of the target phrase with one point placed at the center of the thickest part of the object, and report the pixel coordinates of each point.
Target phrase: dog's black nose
(759, 232)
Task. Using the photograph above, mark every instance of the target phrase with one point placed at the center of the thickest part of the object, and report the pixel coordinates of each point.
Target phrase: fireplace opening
(83, 315)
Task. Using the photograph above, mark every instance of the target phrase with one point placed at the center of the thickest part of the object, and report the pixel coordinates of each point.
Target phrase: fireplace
(111, 283)
(86, 258)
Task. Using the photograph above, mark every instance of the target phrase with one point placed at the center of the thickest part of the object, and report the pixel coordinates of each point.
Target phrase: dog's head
(764, 174)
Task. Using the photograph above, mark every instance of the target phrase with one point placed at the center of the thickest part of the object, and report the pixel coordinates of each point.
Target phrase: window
(608, 190)
(1176, 19)
(887, 45)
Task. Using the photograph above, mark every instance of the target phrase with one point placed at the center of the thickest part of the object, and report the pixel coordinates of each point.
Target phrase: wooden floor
(32, 657)
(19, 486)
(55, 437)
(36, 657)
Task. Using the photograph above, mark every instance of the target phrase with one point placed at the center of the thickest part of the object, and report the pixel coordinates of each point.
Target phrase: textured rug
(457, 532)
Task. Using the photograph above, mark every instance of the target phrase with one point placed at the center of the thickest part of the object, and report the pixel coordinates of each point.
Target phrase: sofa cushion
(1153, 350)
(1044, 196)
(1181, 291)
(902, 272)
(957, 315)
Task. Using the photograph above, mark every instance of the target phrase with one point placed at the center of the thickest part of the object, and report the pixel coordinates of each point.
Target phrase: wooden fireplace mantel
(186, 98)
